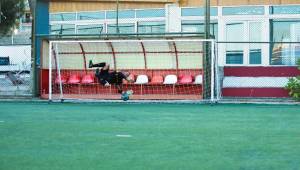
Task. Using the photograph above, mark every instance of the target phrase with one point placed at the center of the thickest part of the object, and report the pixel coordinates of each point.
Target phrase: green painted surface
(148, 136)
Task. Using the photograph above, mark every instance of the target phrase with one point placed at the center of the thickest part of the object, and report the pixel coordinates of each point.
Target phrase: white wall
(19, 56)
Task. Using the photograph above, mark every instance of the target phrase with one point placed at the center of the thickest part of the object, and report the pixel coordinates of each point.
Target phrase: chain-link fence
(260, 69)
(21, 38)
(15, 77)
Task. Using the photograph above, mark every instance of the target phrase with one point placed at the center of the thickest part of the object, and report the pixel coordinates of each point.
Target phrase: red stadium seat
(88, 79)
(131, 76)
(185, 79)
(74, 79)
(157, 80)
(64, 79)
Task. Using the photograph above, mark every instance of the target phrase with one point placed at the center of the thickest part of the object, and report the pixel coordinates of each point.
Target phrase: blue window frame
(198, 11)
(91, 15)
(198, 26)
(244, 10)
(151, 27)
(63, 17)
(89, 29)
(123, 28)
(122, 14)
(295, 9)
(62, 29)
(149, 13)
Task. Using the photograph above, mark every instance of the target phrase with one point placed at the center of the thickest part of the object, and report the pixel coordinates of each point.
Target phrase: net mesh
(160, 69)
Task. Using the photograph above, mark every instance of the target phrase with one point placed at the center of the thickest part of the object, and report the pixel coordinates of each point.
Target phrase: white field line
(124, 136)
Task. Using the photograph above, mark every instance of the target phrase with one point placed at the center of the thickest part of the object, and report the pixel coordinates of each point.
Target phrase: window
(122, 14)
(149, 13)
(25, 28)
(295, 9)
(63, 17)
(151, 27)
(26, 18)
(91, 15)
(4, 61)
(62, 29)
(285, 53)
(245, 10)
(255, 28)
(198, 26)
(123, 28)
(198, 11)
(234, 51)
(243, 42)
(89, 29)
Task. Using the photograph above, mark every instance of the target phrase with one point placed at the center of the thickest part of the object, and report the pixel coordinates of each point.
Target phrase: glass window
(198, 11)
(255, 29)
(91, 15)
(63, 17)
(285, 53)
(234, 51)
(148, 13)
(123, 28)
(198, 26)
(151, 27)
(122, 14)
(89, 29)
(245, 10)
(62, 29)
(26, 28)
(295, 9)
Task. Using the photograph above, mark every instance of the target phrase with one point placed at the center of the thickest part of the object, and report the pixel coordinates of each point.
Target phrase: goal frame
(213, 66)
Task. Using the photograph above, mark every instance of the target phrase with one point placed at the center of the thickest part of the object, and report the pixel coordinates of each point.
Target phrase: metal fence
(15, 67)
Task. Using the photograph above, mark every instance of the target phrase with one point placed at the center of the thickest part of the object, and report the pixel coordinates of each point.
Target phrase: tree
(10, 12)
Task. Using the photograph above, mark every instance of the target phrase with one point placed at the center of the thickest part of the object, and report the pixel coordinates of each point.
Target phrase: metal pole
(207, 56)
(50, 71)
(59, 73)
(117, 17)
(0, 12)
(34, 80)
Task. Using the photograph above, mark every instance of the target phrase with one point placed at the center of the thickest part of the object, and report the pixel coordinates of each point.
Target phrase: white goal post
(151, 57)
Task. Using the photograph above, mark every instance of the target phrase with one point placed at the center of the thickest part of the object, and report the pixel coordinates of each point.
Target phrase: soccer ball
(125, 97)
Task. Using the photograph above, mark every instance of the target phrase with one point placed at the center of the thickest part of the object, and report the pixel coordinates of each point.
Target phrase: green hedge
(293, 85)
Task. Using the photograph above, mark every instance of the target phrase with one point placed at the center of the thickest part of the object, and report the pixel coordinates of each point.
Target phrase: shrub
(293, 85)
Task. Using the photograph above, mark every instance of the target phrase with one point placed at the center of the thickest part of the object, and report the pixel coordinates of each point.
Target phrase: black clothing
(104, 76)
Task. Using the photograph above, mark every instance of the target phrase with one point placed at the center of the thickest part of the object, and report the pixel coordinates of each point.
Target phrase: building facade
(258, 42)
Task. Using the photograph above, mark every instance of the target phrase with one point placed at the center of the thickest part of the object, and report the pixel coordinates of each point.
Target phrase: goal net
(160, 69)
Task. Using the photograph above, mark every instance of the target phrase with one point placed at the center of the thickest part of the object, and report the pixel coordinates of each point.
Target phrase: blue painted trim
(41, 26)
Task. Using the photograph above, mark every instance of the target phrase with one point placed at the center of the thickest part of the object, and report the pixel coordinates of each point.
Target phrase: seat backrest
(74, 79)
(64, 79)
(157, 79)
(185, 79)
(87, 79)
(170, 79)
(198, 79)
(141, 79)
(131, 76)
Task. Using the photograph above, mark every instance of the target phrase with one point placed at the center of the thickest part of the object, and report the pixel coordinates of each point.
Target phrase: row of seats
(140, 79)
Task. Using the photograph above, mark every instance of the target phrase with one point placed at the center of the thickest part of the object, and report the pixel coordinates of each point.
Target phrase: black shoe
(90, 64)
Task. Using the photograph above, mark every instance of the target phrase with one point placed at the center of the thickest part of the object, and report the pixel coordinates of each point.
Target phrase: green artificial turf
(39, 136)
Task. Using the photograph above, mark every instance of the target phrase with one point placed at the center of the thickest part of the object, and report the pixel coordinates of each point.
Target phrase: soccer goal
(161, 69)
